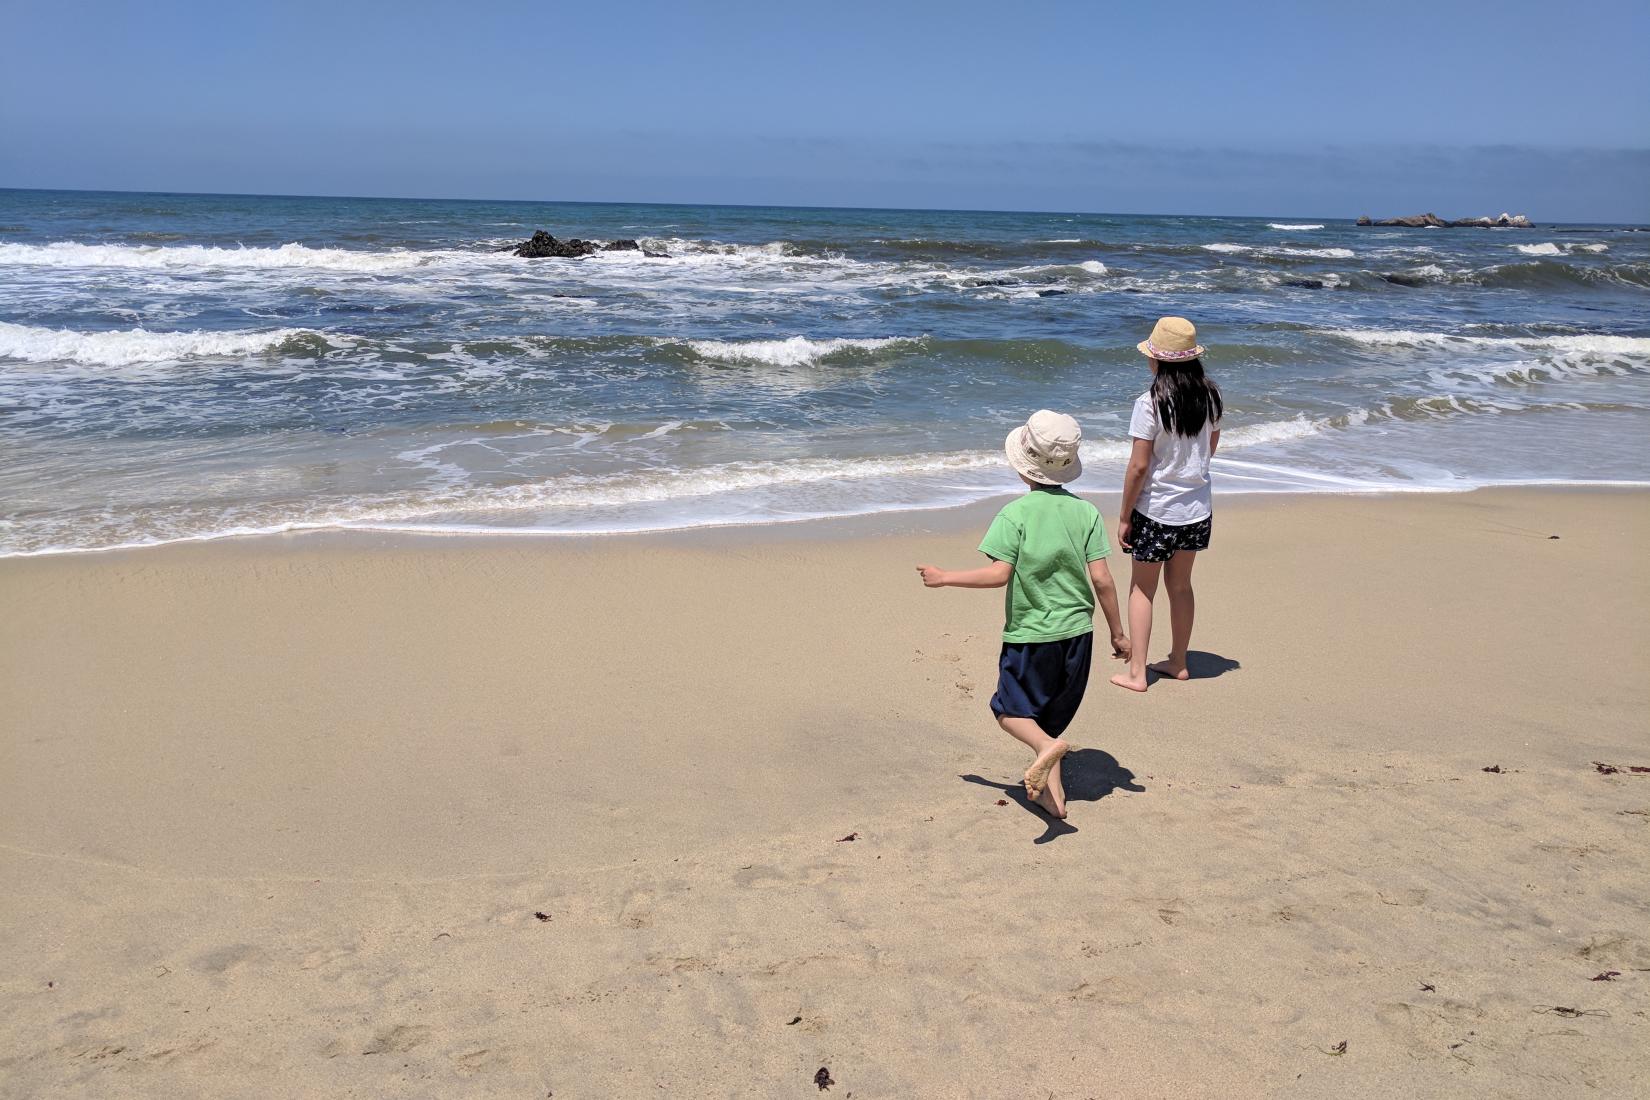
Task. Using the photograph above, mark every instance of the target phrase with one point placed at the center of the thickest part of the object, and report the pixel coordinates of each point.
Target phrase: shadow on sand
(1201, 665)
(1089, 776)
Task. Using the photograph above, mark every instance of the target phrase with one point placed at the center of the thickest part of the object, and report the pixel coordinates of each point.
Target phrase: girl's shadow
(1089, 776)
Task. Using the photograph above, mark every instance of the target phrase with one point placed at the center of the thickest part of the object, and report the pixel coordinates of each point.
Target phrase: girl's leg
(1177, 578)
(1048, 750)
(1142, 589)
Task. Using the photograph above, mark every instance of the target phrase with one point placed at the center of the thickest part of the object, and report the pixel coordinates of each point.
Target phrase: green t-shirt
(1049, 537)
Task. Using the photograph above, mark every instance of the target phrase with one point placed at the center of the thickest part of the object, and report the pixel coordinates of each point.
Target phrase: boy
(1046, 547)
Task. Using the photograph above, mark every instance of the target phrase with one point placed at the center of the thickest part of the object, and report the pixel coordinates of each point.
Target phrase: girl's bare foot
(1051, 805)
(1170, 669)
(1037, 774)
(1130, 681)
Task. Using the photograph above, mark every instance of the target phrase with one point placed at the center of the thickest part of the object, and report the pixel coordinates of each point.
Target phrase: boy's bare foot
(1050, 804)
(1170, 669)
(1037, 774)
(1127, 680)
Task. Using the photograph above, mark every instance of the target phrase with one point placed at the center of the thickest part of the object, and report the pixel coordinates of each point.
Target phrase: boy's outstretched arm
(994, 575)
(1106, 589)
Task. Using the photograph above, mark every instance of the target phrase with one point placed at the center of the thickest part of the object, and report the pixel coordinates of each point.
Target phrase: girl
(1166, 514)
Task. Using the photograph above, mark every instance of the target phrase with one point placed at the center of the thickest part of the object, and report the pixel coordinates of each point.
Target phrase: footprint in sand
(226, 958)
(637, 910)
(1169, 910)
(324, 958)
(961, 681)
(1120, 992)
(1408, 898)
(398, 1039)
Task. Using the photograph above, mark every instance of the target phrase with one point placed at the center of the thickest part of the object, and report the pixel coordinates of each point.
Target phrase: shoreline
(936, 519)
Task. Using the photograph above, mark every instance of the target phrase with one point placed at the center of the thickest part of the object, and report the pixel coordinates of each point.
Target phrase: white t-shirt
(1177, 484)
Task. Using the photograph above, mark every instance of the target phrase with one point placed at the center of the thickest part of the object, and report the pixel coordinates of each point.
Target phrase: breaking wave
(1318, 253)
(146, 257)
(1285, 225)
(797, 351)
(1579, 344)
(133, 346)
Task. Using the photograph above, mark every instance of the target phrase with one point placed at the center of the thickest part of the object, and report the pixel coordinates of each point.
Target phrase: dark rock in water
(540, 244)
(1405, 280)
(1305, 284)
(654, 254)
(543, 244)
(1430, 220)
(621, 246)
(1416, 221)
(1050, 293)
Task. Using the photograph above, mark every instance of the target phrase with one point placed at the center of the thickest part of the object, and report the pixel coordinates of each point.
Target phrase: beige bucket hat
(1044, 448)
(1173, 340)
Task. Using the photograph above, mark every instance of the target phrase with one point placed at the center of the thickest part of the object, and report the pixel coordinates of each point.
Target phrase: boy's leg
(1077, 658)
(1048, 750)
(1142, 590)
(1055, 791)
(1177, 578)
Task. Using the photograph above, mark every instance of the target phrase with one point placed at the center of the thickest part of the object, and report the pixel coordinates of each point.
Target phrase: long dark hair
(1185, 397)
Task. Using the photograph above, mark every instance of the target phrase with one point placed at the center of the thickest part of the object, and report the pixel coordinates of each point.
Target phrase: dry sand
(277, 817)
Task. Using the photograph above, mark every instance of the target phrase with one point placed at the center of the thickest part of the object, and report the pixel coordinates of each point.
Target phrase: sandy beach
(698, 815)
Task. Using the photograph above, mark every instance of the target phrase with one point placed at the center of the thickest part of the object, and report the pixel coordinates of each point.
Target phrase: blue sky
(1218, 108)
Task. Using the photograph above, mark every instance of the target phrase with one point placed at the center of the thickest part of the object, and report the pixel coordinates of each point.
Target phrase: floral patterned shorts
(1152, 541)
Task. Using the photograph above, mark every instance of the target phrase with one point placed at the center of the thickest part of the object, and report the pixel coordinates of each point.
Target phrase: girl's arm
(994, 575)
(1214, 442)
(1134, 480)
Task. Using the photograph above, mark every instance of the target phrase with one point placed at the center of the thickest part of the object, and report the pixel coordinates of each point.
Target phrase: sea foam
(574, 504)
(1320, 253)
(1578, 344)
(1285, 225)
(76, 255)
(131, 346)
(795, 352)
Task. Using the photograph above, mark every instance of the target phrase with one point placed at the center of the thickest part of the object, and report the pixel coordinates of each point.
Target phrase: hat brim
(1195, 353)
(1019, 458)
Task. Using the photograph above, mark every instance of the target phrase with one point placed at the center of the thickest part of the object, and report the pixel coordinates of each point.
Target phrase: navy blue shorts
(1044, 681)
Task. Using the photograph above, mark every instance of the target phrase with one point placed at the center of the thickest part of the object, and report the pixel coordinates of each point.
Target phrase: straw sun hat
(1044, 448)
(1173, 340)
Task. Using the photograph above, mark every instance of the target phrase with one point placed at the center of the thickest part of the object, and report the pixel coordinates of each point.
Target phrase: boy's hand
(932, 575)
(1120, 646)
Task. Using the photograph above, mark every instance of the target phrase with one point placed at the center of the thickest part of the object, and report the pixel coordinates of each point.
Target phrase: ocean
(178, 367)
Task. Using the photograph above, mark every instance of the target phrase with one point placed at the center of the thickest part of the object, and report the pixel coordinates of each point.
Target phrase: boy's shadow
(1089, 775)
(1201, 665)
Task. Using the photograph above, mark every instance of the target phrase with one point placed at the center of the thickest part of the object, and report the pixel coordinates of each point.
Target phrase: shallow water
(188, 366)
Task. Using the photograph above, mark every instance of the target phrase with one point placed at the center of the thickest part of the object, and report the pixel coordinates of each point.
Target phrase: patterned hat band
(1172, 356)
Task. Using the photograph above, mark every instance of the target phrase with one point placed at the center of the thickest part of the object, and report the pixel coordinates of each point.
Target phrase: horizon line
(716, 205)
